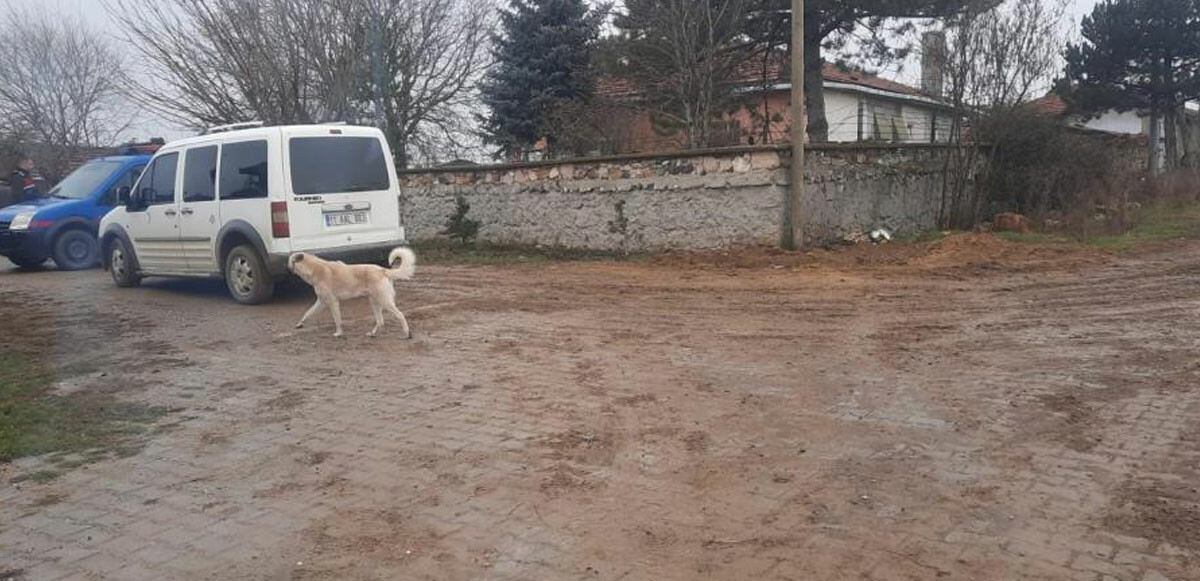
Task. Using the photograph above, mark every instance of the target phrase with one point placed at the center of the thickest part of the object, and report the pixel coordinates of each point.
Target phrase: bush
(1062, 178)
(459, 226)
(1039, 166)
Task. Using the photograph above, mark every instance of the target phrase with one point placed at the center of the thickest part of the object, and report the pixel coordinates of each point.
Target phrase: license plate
(346, 218)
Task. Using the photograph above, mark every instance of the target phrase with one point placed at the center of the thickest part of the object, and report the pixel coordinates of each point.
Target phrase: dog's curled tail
(407, 266)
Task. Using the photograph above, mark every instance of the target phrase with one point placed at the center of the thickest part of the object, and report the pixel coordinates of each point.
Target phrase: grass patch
(447, 252)
(35, 421)
(926, 236)
(1158, 223)
(1034, 237)
(40, 477)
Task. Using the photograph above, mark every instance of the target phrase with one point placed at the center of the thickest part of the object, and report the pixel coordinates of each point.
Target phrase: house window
(886, 122)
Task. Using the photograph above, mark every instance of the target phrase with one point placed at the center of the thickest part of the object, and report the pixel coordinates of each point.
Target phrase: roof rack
(233, 127)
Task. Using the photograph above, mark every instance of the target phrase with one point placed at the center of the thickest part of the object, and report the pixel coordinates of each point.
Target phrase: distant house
(859, 106)
(1126, 123)
(1117, 122)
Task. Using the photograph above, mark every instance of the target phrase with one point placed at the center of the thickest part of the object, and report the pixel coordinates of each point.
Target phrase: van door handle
(186, 211)
(169, 212)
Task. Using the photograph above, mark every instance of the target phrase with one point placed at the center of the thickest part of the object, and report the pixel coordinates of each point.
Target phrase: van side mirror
(123, 194)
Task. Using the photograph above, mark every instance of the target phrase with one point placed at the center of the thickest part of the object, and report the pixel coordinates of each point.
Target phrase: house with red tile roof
(1115, 122)
(859, 106)
(1127, 123)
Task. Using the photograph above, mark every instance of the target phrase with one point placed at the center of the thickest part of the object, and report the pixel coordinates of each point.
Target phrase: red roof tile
(1050, 105)
(838, 74)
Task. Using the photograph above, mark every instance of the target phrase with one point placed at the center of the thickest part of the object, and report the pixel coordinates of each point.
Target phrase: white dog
(337, 281)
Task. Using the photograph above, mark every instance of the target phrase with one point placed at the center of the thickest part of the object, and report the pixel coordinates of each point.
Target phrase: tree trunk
(399, 147)
(814, 85)
(1152, 165)
(1170, 134)
(1189, 143)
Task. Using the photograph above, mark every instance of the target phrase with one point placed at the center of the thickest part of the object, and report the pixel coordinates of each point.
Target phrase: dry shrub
(1178, 187)
(1077, 183)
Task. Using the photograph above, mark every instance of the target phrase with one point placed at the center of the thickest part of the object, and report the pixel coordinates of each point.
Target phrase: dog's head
(295, 259)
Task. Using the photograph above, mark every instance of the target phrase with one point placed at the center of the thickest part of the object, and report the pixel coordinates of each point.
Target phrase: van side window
(127, 180)
(158, 182)
(244, 170)
(200, 174)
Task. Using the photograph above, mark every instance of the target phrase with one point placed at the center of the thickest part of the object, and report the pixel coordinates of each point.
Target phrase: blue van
(63, 224)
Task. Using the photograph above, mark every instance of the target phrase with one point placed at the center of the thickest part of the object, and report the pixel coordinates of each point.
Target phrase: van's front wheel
(247, 277)
(122, 265)
(76, 250)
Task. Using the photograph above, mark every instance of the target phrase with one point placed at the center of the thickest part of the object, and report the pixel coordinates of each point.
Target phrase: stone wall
(692, 200)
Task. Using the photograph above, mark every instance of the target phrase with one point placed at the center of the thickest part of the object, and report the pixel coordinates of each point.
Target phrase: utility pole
(376, 38)
(793, 207)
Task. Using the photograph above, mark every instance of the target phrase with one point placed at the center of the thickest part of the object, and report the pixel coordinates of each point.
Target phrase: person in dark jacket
(21, 181)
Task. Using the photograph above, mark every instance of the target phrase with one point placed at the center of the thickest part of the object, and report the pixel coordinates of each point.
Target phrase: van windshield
(84, 181)
(330, 165)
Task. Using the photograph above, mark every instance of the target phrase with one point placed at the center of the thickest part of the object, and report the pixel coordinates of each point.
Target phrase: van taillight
(279, 220)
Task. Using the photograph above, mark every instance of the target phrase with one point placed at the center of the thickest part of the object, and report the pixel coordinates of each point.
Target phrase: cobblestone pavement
(631, 421)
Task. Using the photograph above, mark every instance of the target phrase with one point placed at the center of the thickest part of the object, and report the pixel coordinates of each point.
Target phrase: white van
(234, 203)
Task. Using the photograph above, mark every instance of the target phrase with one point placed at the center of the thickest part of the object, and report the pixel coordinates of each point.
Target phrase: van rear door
(342, 187)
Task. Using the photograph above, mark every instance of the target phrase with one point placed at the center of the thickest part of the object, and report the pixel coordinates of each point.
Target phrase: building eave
(855, 88)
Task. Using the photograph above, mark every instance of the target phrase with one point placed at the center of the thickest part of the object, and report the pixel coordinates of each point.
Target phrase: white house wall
(841, 111)
(1128, 123)
(921, 124)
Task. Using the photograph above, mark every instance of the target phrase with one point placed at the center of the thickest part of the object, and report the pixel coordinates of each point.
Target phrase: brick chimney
(933, 62)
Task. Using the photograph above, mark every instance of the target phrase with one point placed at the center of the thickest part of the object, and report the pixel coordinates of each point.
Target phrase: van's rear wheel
(122, 265)
(247, 277)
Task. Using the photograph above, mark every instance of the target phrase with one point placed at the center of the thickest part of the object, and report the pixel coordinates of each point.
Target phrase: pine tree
(543, 59)
(1137, 54)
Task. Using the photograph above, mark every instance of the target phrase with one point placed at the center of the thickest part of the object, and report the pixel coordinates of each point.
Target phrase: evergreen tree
(543, 60)
(1137, 54)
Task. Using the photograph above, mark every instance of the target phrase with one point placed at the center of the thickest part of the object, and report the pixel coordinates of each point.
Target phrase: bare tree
(430, 58)
(218, 61)
(684, 56)
(407, 66)
(997, 60)
(59, 89)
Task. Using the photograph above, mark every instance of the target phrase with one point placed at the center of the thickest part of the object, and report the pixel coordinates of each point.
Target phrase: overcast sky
(93, 14)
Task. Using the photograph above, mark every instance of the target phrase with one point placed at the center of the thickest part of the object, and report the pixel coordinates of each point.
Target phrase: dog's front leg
(336, 310)
(316, 308)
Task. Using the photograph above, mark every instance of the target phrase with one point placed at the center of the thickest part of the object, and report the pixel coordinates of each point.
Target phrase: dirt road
(968, 410)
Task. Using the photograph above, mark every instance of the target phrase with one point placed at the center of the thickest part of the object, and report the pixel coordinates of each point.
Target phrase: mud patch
(564, 479)
(1159, 511)
(696, 442)
(286, 401)
(636, 400)
(1076, 419)
(586, 447)
(371, 545)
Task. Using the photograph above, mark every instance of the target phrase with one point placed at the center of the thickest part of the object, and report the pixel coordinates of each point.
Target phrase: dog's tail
(407, 266)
